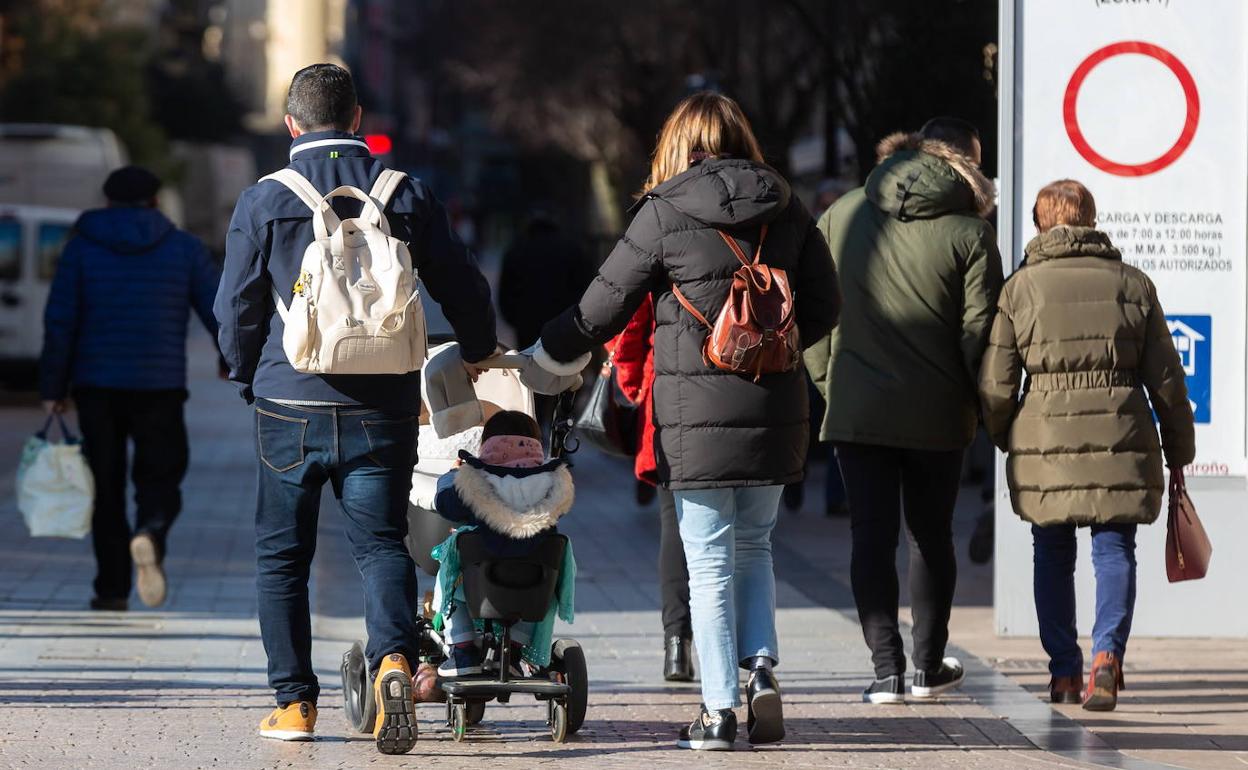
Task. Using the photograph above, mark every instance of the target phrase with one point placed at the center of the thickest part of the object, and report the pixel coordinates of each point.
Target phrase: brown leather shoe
(425, 685)
(1104, 683)
(1066, 689)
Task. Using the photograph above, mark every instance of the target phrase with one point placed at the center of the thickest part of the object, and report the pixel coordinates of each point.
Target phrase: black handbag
(609, 420)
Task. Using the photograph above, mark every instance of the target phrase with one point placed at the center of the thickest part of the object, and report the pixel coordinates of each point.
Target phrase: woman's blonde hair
(706, 124)
(1064, 202)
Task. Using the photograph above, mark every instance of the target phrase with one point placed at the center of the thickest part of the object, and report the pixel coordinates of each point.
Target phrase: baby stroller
(499, 591)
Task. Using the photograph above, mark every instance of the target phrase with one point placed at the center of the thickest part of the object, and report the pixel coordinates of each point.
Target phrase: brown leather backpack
(756, 332)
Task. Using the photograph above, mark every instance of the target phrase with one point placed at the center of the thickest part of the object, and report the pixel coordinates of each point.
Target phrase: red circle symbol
(1189, 123)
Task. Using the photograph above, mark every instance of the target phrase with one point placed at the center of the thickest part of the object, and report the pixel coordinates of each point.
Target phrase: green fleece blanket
(537, 651)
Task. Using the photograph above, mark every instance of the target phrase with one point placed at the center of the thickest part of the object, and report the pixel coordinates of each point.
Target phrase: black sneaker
(711, 731)
(463, 660)
(930, 684)
(765, 723)
(890, 689)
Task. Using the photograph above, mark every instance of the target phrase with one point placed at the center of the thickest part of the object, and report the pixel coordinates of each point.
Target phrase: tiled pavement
(184, 687)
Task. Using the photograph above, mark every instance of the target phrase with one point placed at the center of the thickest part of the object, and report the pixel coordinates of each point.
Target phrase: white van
(31, 240)
(44, 164)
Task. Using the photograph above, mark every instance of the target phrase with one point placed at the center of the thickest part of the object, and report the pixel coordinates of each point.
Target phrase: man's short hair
(956, 132)
(321, 97)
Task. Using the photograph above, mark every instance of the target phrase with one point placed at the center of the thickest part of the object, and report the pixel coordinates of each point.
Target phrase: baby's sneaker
(463, 660)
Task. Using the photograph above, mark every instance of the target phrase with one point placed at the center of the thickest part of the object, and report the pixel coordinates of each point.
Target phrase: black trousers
(883, 484)
(154, 421)
(673, 572)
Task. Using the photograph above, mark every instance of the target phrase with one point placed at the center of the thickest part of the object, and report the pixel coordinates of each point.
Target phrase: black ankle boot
(678, 660)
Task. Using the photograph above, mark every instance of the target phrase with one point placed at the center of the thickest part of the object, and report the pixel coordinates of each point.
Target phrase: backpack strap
(299, 185)
(278, 304)
(385, 186)
(736, 247)
(687, 305)
(311, 197)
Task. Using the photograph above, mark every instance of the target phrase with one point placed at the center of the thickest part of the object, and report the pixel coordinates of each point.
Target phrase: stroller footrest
(471, 689)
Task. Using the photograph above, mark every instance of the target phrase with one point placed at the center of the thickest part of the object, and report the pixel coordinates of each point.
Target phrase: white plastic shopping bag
(55, 490)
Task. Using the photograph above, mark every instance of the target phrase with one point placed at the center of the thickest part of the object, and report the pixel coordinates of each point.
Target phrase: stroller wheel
(558, 722)
(357, 690)
(459, 721)
(568, 660)
(475, 713)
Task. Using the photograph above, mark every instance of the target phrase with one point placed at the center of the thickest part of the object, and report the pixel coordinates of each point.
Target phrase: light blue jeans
(732, 588)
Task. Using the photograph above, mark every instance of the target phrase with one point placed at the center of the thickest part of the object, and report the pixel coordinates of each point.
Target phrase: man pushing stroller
(346, 413)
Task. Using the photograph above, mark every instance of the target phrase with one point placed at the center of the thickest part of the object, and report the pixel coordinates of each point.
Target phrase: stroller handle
(503, 361)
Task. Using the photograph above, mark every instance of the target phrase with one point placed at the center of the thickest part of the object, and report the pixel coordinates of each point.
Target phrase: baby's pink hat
(512, 452)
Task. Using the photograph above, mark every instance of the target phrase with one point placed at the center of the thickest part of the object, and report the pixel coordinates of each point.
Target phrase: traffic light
(378, 144)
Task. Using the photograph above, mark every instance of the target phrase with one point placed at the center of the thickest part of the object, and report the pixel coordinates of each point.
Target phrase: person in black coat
(543, 272)
(725, 443)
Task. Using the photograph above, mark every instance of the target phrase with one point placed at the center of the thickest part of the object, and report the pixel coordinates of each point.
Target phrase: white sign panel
(1146, 103)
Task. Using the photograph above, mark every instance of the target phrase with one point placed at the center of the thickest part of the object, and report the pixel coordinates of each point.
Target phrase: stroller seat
(514, 588)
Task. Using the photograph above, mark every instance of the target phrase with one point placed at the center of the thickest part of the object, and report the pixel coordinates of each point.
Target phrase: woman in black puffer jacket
(726, 444)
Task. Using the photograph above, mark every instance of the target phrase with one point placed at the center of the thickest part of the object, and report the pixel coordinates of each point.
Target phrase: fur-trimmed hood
(516, 504)
(920, 178)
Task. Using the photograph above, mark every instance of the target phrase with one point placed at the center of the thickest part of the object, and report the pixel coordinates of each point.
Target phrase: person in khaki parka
(1083, 451)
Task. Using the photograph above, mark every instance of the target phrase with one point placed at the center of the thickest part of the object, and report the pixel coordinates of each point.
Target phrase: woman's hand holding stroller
(543, 374)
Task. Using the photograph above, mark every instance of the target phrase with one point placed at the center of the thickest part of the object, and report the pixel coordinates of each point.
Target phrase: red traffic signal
(379, 144)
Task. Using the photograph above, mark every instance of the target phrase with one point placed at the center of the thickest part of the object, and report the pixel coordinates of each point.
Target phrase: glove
(543, 374)
(544, 360)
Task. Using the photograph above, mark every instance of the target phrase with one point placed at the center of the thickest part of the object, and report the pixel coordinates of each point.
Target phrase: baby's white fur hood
(516, 506)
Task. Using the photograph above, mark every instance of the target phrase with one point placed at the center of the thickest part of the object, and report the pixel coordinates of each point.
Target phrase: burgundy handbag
(1187, 546)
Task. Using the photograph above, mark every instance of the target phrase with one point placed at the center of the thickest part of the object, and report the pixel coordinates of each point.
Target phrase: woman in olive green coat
(1083, 449)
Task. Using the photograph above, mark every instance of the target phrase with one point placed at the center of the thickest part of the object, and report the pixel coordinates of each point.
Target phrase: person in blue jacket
(356, 432)
(115, 331)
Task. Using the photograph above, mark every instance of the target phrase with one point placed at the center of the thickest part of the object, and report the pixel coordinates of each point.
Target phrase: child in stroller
(513, 495)
(499, 592)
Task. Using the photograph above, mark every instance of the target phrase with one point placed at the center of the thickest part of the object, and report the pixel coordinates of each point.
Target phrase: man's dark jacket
(268, 235)
(120, 303)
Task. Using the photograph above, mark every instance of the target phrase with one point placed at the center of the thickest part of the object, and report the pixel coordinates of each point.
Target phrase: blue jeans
(367, 456)
(732, 588)
(1113, 560)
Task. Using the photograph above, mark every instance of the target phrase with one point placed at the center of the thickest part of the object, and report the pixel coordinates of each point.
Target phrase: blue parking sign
(1193, 339)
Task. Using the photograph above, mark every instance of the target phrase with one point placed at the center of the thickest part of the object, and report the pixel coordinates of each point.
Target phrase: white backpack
(356, 305)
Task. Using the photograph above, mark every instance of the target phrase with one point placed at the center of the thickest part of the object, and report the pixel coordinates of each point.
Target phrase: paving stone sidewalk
(184, 687)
